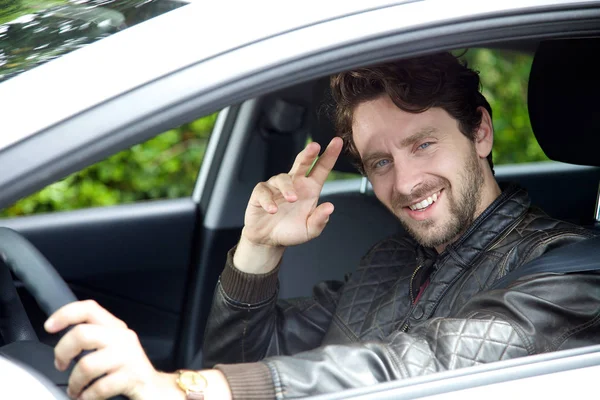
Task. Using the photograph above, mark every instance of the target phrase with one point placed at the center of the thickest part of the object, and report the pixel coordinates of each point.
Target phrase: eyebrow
(407, 142)
(417, 136)
(374, 156)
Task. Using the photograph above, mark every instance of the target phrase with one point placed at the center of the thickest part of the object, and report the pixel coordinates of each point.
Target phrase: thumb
(319, 218)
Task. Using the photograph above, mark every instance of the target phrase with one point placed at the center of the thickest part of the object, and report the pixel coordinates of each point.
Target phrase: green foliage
(167, 166)
(10, 9)
(13, 9)
(163, 167)
(504, 77)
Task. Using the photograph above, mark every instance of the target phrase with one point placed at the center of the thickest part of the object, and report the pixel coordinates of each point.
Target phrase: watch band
(194, 395)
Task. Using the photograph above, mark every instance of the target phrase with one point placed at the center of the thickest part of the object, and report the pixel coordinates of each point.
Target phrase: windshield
(34, 32)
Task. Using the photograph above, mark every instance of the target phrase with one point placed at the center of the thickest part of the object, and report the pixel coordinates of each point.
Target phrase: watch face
(192, 381)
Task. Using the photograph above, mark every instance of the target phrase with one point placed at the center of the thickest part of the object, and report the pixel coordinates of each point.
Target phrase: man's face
(422, 167)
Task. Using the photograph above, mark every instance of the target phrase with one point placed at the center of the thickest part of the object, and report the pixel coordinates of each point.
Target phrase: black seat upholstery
(564, 85)
(563, 102)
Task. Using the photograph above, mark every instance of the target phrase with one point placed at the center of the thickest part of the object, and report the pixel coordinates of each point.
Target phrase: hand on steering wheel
(119, 364)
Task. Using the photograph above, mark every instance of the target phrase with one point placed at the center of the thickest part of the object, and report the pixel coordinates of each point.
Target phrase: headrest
(324, 127)
(563, 99)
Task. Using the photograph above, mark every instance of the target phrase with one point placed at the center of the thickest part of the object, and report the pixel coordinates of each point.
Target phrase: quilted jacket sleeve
(536, 314)
(247, 323)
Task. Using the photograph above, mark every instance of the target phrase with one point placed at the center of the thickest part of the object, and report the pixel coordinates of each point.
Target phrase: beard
(462, 208)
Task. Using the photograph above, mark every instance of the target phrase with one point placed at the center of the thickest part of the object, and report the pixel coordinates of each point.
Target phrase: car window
(167, 166)
(504, 76)
(34, 32)
(164, 167)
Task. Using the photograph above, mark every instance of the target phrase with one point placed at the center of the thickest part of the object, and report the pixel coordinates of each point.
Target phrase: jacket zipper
(406, 324)
(405, 327)
(412, 296)
(503, 196)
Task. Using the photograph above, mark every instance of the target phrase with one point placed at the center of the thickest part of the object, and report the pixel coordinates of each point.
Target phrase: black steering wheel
(48, 289)
(39, 278)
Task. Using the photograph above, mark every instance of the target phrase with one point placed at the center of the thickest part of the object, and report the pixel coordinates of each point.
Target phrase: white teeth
(424, 203)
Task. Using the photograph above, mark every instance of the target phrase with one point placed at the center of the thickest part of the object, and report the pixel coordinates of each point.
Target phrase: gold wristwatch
(192, 383)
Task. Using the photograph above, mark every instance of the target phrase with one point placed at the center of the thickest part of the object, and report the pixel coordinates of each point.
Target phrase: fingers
(81, 312)
(106, 387)
(82, 337)
(119, 361)
(266, 194)
(305, 159)
(116, 364)
(91, 367)
(318, 219)
(262, 196)
(283, 183)
(327, 160)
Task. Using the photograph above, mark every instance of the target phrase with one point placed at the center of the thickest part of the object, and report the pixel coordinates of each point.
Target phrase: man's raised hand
(284, 210)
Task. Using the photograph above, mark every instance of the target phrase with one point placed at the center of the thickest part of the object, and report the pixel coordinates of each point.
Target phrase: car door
(212, 216)
(133, 250)
(149, 262)
(546, 376)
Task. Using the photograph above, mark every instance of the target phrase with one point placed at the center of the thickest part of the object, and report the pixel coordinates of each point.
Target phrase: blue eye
(381, 163)
(424, 145)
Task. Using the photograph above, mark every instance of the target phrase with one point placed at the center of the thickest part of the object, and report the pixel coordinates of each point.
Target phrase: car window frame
(464, 383)
(148, 51)
(180, 97)
(182, 101)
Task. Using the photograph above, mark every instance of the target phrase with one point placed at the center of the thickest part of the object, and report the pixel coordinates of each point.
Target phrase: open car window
(164, 167)
(124, 256)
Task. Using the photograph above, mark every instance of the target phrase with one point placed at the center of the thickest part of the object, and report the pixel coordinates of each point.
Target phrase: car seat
(563, 104)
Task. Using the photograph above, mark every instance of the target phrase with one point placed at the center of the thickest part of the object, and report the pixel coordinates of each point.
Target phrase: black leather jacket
(369, 329)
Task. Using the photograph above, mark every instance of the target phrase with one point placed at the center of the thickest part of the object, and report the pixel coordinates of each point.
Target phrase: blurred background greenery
(504, 77)
(163, 167)
(167, 165)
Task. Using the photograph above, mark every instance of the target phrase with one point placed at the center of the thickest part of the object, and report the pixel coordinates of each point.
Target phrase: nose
(408, 176)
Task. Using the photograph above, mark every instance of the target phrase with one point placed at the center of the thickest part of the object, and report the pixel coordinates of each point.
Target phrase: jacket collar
(500, 216)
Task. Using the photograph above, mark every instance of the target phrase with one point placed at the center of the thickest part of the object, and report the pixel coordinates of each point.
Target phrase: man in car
(418, 303)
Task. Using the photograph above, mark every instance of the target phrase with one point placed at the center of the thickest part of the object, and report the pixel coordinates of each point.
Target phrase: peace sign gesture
(284, 210)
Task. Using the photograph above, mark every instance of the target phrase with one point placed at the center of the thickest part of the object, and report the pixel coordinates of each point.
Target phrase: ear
(484, 138)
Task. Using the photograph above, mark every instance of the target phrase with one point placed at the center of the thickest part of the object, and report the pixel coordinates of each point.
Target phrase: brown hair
(414, 85)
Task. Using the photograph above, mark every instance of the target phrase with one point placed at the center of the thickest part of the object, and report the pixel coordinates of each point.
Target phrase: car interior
(563, 191)
(155, 264)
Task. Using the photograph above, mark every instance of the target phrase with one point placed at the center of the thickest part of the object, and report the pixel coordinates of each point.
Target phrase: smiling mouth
(425, 203)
